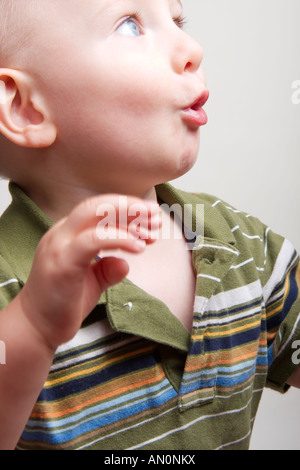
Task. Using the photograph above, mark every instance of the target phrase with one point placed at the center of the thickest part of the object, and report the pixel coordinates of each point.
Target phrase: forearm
(28, 361)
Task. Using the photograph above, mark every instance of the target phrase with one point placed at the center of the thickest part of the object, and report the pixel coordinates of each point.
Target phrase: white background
(250, 148)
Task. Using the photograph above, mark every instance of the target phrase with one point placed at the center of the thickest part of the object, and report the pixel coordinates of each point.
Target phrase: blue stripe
(59, 436)
(276, 320)
(78, 385)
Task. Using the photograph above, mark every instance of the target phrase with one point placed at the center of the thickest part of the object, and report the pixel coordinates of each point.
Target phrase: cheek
(133, 88)
(128, 106)
(136, 86)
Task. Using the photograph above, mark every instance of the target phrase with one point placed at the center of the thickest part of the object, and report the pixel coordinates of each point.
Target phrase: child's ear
(24, 119)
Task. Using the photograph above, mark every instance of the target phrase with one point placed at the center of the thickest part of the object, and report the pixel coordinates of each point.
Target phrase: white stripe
(231, 298)
(191, 423)
(78, 358)
(266, 246)
(84, 338)
(252, 237)
(235, 442)
(127, 429)
(229, 318)
(277, 295)
(158, 417)
(280, 335)
(10, 281)
(200, 304)
(209, 277)
(281, 264)
(216, 203)
(242, 264)
(207, 245)
(237, 211)
(90, 333)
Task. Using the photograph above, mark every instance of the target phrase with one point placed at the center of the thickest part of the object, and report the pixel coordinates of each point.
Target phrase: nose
(187, 53)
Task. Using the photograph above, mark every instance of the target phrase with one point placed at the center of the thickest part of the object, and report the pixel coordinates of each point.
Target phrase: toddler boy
(124, 341)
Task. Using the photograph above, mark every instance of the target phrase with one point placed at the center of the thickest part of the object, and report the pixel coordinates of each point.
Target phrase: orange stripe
(52, 382)
(229, 332)
(286, 290)
(97, 399)
(222, 361)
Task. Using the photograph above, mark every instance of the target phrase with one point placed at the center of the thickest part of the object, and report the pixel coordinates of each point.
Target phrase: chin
(186, 163)
(177, 173)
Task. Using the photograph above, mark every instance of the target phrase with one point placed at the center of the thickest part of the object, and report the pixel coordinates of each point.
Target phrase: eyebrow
(107, 3)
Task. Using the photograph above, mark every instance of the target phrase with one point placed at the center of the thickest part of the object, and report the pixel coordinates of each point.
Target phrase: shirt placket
(211, 260)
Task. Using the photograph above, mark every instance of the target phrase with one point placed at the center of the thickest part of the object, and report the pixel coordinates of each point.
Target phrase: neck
(57, 198)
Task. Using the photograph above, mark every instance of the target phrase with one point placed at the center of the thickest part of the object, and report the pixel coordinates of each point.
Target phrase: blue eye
(129, 27)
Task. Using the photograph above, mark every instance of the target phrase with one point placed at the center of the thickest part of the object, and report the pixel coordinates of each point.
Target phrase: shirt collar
(23, 224)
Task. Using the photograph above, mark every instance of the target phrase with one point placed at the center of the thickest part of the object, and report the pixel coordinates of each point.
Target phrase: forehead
(107, 3)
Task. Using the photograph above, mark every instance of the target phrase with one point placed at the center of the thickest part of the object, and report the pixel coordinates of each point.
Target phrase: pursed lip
(194, 115)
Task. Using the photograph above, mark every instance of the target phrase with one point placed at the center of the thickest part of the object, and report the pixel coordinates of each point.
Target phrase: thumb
(110, 271)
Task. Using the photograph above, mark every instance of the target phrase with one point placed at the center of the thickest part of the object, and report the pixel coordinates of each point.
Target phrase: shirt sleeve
(282, 300)
(277, 265)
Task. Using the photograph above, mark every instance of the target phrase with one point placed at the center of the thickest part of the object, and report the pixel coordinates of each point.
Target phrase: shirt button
(129, 305)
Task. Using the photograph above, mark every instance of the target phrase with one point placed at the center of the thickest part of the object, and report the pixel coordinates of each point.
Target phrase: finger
(112, 210)
(149, 234)
(109, 271)
(85, 247)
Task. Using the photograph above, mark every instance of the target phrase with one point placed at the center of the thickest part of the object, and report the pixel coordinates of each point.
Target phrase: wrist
(30, 327)
(28, 361)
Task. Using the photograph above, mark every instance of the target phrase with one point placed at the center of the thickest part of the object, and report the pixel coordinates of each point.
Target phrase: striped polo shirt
(133, 377)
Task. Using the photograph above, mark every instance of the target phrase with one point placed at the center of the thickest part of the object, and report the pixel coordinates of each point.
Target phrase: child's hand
(66, 282)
